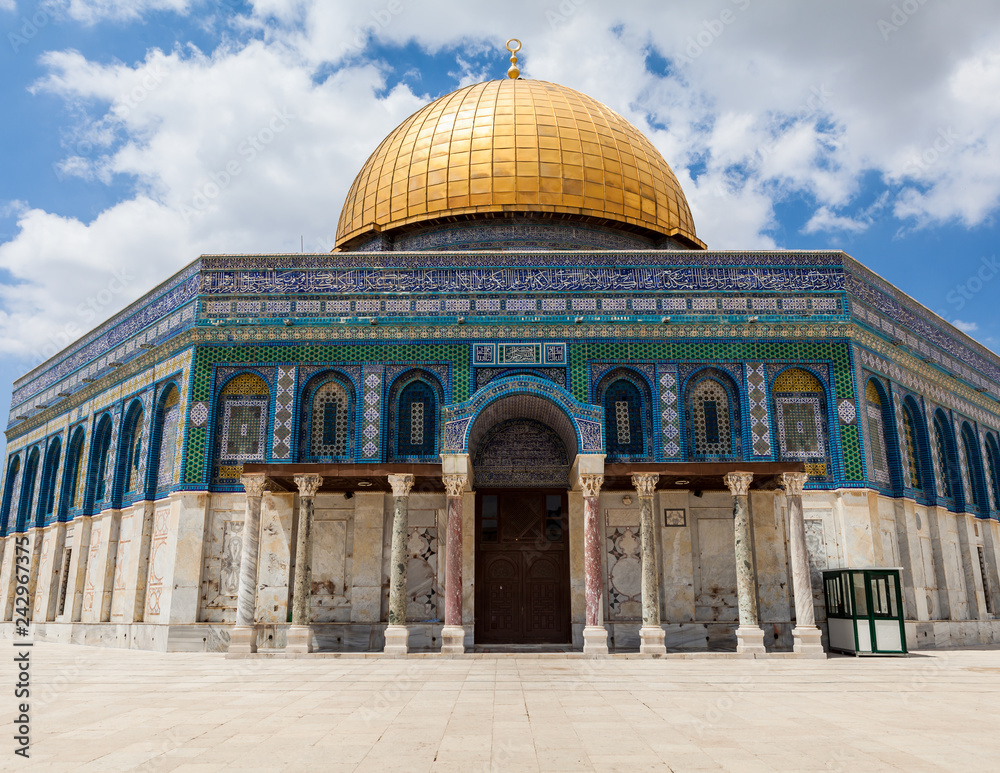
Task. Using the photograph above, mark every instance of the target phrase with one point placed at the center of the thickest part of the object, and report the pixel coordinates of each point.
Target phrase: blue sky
(866, 126)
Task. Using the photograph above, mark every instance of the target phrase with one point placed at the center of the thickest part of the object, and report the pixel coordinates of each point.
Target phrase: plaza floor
(114, 710)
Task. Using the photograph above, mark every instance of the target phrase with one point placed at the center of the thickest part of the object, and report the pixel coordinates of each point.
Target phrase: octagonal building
(519, 405)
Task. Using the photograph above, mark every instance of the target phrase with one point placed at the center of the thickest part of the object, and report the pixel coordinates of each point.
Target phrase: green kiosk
(864, 612)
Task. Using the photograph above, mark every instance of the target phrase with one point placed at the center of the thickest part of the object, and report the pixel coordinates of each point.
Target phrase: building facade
(519, 404)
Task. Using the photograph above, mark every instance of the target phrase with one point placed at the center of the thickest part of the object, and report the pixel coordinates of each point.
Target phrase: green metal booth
(864, 612)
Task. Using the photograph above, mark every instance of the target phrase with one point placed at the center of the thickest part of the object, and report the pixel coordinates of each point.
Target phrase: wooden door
(522, 567)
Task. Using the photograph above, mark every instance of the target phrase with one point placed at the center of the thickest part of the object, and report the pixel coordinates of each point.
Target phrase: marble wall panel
(221, 562)
(188, 514)
(274, 569)
(157, 576)
(770, 531)
(77, 538)
(676, 558)
(7, 578)
(118, 588)
(715, 599)
(331, 581)
(366, 579)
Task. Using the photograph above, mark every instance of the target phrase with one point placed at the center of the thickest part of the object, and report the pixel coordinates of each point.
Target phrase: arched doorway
(521, 466)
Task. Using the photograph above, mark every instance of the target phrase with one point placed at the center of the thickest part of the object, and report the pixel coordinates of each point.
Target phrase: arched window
(242, 425)
(877, 440)
(623, 419)
(944, 447)
(166, 429)
(416, 413)
(974, 466)
(130, 450)
(27, 490)
(47, 494)
(70, 493)
(10, 495)
(326, 419)
(800, 416)
(993, 460)
(713, 415)
(915, 449)
(97, 475)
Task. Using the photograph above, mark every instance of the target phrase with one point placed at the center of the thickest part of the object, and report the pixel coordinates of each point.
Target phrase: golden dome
(516, 146)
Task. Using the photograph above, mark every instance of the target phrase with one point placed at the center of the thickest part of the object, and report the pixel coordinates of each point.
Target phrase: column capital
(794, 482)
(738, 482)
(645, 483)
(591, 484)
(401, 484)
(254, 484)
(308, 484)
(455, 484)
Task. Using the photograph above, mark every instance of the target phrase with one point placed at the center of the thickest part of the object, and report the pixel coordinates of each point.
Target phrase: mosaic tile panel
(759, 409)
(670, 417)
(284, 412)
(371, 412)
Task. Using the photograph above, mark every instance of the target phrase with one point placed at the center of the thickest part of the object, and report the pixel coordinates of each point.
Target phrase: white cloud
(8, 5)
(93, 11)
(782, 100)
(965, 327)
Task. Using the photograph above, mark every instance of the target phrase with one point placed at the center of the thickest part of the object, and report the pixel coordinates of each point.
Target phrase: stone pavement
(110, 710)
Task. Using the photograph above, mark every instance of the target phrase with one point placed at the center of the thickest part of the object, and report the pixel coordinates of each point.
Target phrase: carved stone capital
(455, 484)
(308, 484)
(738, 483)
(254, 484)
(794, 482)
(591, 484)
(645, 483)
(401, 485)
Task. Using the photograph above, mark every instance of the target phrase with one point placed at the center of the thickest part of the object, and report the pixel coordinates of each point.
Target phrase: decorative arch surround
(71, 490)
(800, 418)
(627, 401)
(98, 472)
(242, 423)
(8, 507)
(415, 400)
(946, 455)
(917, 448)
(974, 465)
(885, 470)
(579, 425)
(50, 473)
(327, 417)
(28, 483)
(164, 440)
(712, 410)
(993, 463)
(128, 474)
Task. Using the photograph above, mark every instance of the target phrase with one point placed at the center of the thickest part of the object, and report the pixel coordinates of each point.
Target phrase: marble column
(806, 636)
(453, 634)
(396, 634)
(595, 635)
(242, 637)
(299, 641)
(749, 634)
(651, 634)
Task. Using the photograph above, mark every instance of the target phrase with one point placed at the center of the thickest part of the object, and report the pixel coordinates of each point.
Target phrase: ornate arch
(97, 471)
(415, 400)
(128, 467)
(974, 465)
(993, 462)
(164, 446)
(946, 453)
(801, 419)
(627, 401)
(8, 508)
(242, 423)
(530, 397)
(28, 482)
(50, 472)
(70, 496)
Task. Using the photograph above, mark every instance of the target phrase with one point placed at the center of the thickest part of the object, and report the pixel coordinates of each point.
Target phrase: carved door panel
(522, 568)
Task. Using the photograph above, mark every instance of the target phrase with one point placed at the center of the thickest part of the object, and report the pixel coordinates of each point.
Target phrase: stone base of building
(595, 640)
(452, 640)
(750, 640)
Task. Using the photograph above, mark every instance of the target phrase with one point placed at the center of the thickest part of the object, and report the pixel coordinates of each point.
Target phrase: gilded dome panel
(515, 146)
